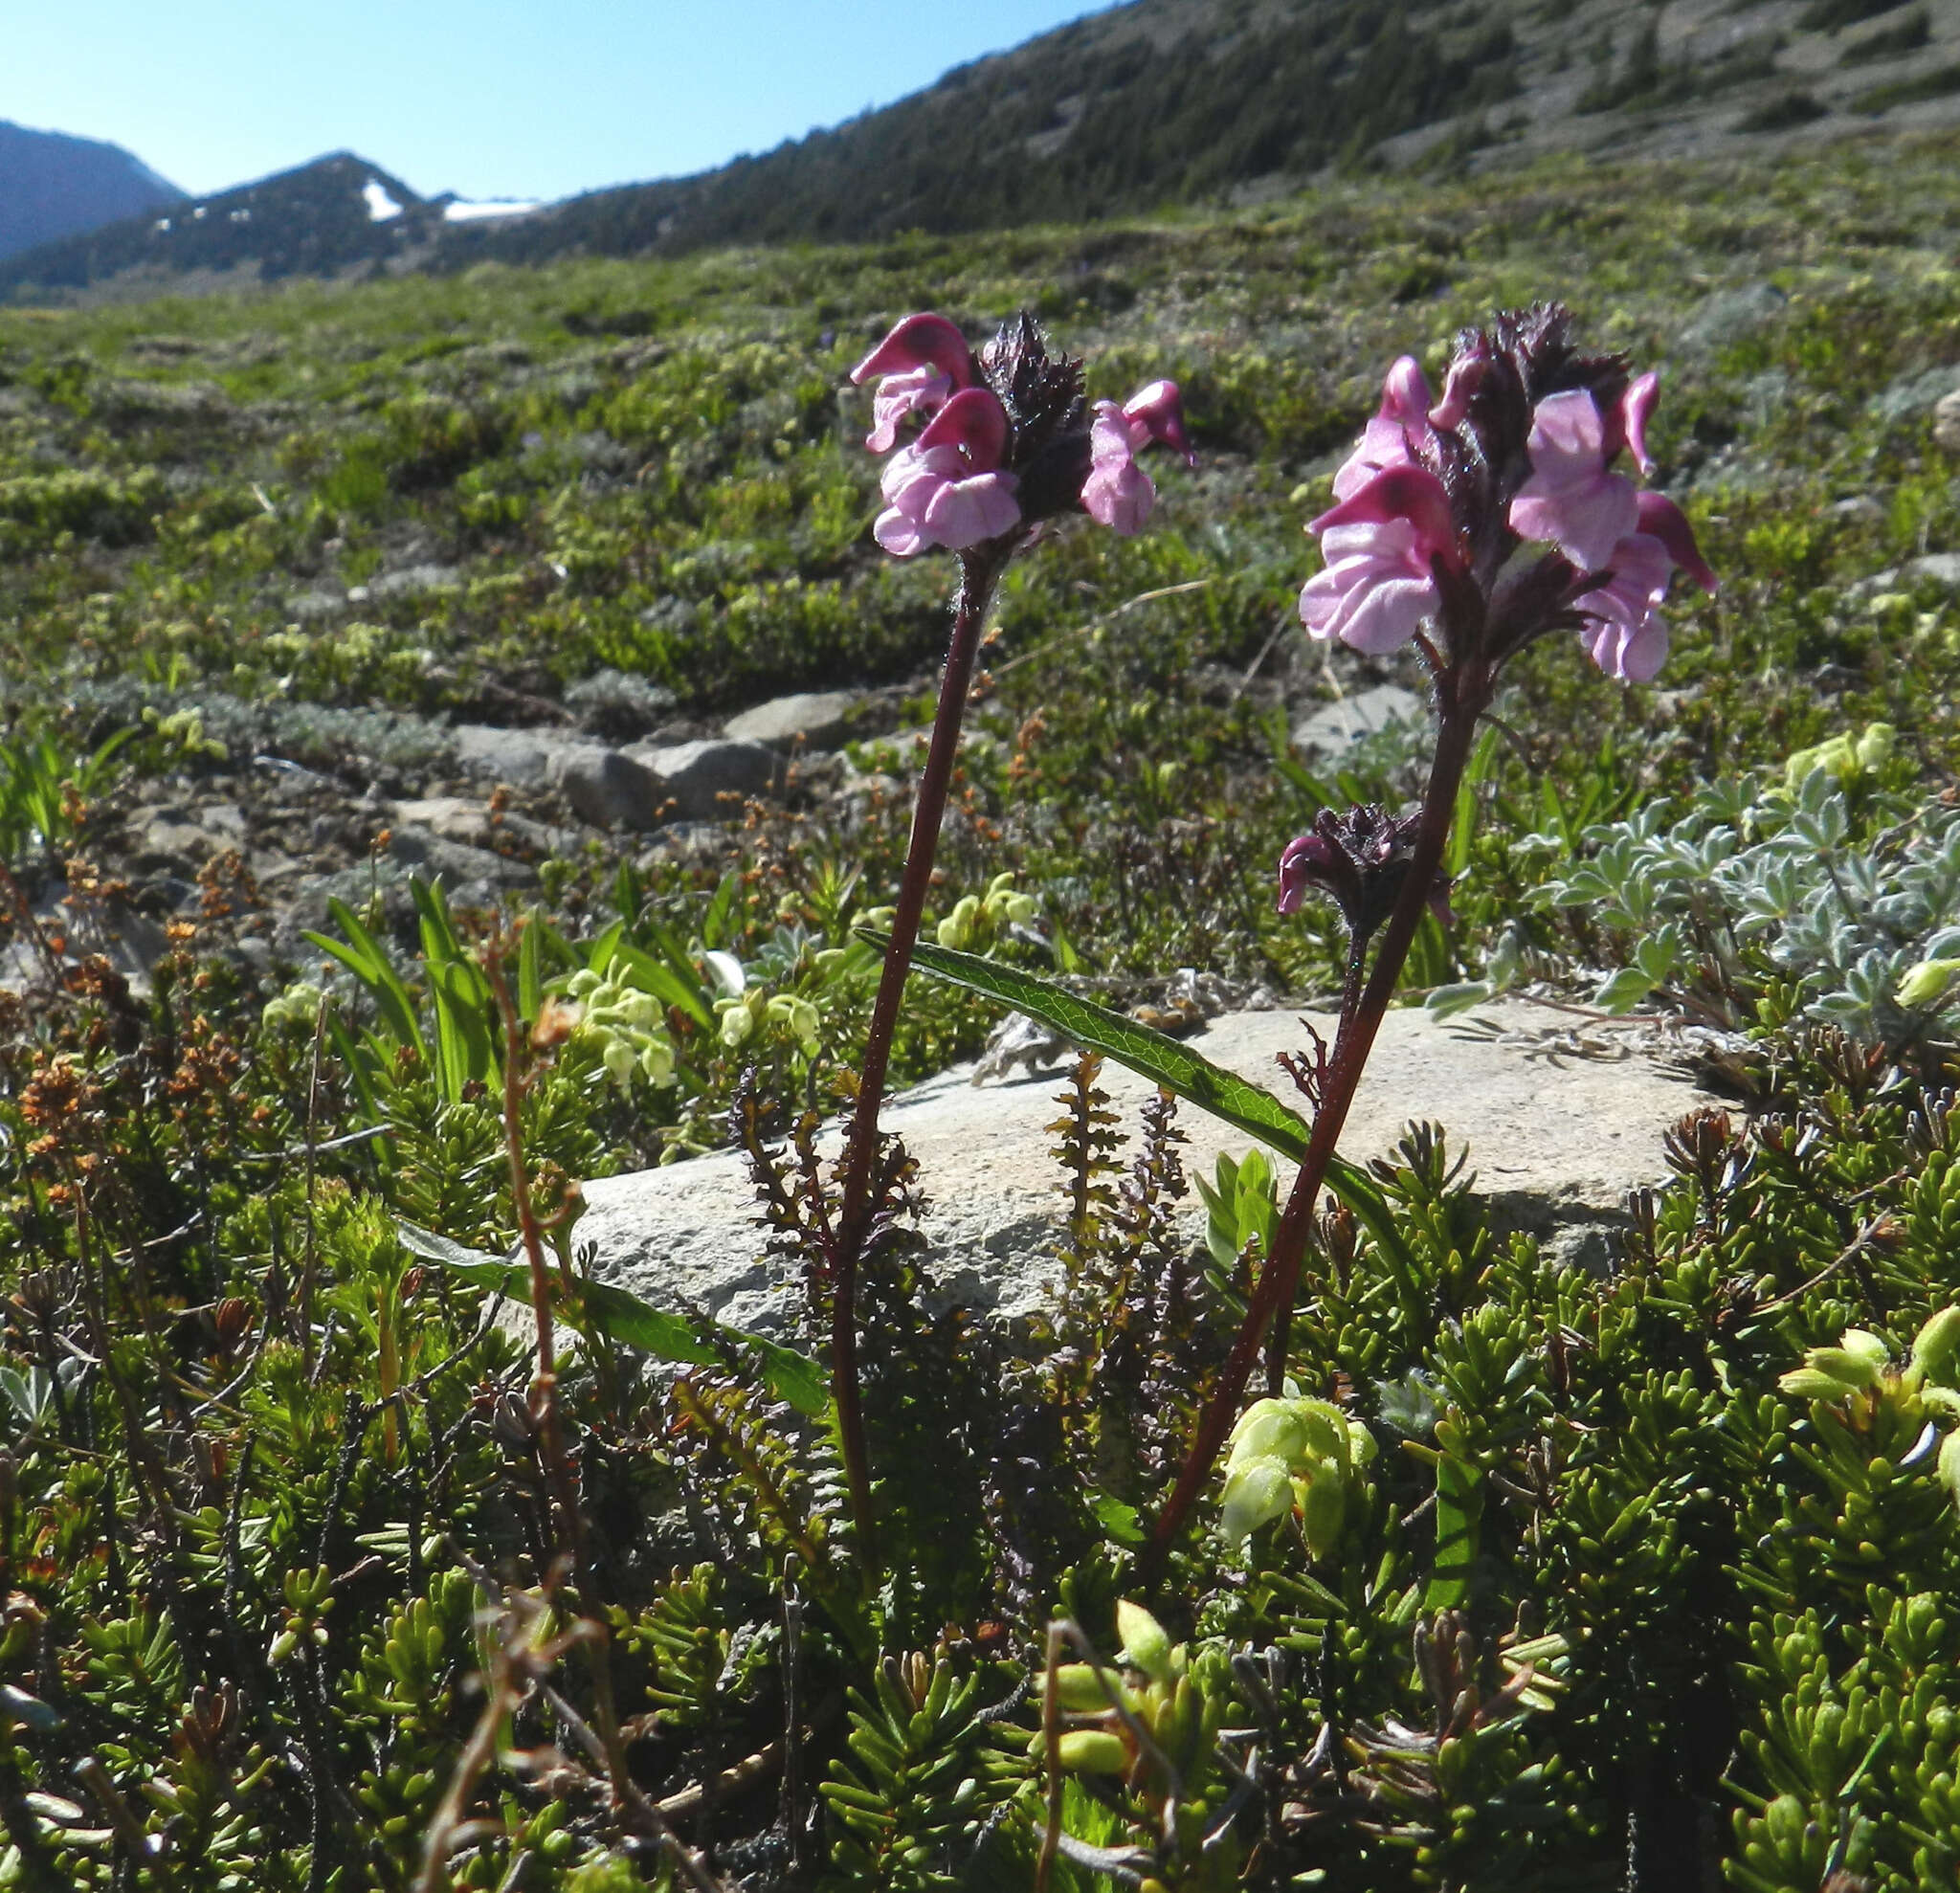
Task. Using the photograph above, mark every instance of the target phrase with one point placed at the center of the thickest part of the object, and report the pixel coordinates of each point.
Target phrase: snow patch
(381, 207)
(457, 210)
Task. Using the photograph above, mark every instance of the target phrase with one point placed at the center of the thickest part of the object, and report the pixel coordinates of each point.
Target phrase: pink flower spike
(1156, 413)
(1570, 499)
(975, 424)
(917, 390)
(1661, 519)
(1408, 493)
(1635, 408)
(919, 342)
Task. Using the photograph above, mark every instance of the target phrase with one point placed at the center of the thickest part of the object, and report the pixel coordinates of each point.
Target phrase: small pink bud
(1156, 413)
(1662, 520)
(1635, 408)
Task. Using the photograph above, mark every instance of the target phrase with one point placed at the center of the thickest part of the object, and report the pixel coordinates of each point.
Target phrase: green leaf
(1121, 1524)
(1458, 1510)
(623, 1317)
(1163, 1060)
(370, 964)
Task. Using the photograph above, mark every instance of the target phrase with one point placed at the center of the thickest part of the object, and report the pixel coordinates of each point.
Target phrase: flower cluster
(1359, 858)
(1440, 495)
(1007, 439)
(625, 1025)
(1295, 1455)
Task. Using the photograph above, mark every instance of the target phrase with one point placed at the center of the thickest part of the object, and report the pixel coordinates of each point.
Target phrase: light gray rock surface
(1560, 1124)
(708, 780)
(1343, 723)
(816, 718)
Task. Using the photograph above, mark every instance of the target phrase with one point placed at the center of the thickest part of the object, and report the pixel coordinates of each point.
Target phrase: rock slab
(1560, 1124)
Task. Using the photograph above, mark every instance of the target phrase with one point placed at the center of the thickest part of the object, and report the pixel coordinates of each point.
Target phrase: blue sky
(497, 97)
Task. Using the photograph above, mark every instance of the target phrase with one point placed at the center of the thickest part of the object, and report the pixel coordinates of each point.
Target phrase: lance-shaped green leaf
(621, 1316)
(1163, 1060)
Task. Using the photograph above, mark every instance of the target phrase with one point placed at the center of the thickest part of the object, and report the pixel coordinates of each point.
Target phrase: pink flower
(1570, 499)
(1384, 442)
(946, 489)
(922, 363)
(1118, 493)
(1623, 631)
(1381, 545)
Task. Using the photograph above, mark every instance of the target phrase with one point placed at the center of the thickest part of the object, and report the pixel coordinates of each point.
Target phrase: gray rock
(610, 789)
(1560, 1124)
(1941, 567)
(450, 818)
(524, 758)
(816, 718)
(1946, 422)
(618, 706)
(1730, 314)
(708, 781)
(459, 864)
(1343, 723)
(1916, 394)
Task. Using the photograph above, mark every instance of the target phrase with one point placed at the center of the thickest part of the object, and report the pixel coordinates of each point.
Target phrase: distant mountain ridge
(1133, 109)
(53, 186)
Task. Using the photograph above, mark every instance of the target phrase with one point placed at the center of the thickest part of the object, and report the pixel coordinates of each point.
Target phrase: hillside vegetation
(1608, 1600)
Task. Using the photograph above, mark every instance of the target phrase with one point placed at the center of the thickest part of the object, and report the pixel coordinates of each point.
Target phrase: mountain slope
(53, 186)
(336, 213)
(1156, 104)
(1173, 100)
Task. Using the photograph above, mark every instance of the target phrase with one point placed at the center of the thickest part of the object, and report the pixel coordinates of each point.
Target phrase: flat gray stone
(1343, 723)
(524, 758)
(610, 789)
(814, 718)
(1560, 1124)
(709, 779)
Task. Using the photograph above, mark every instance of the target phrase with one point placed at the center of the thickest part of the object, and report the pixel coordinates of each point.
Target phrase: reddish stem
(1272, 1300)
(979, 571)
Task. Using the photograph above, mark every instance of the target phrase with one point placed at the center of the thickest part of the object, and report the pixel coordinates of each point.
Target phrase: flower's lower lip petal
(1387, 616)
(899, 536)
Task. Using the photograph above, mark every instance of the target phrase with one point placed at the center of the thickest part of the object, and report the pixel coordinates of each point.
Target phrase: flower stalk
(1005, 444)
(980, 571)
(1469, 527)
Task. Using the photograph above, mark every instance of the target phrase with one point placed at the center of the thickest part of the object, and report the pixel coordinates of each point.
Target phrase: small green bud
(1936, 1347)
(1145, 1640)
(1093, 1751)
(1927, 983)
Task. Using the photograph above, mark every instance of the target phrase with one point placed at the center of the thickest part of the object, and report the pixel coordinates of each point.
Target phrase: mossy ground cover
(266, 1470)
